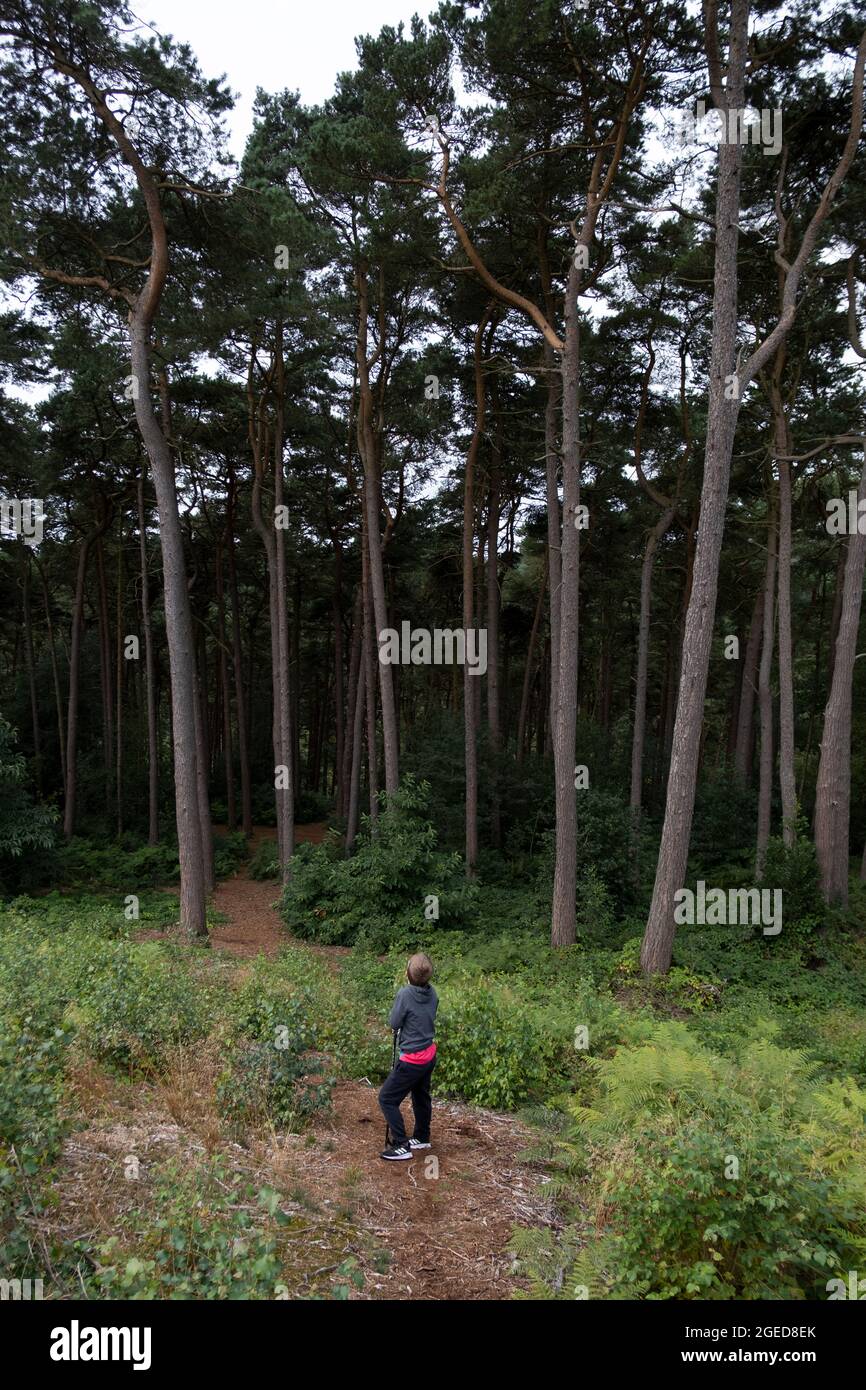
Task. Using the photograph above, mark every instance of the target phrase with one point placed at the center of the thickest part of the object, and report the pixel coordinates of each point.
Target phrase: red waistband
(419, 1057)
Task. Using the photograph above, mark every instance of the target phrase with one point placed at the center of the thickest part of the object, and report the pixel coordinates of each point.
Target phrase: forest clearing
(432, 548)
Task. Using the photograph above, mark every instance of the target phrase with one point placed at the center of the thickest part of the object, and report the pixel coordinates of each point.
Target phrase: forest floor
(434, 1228)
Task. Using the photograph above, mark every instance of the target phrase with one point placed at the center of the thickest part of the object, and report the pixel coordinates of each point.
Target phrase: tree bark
(150, 676)
(833, 787)
(721, 425)
(368, 449)
(237, 662)
(765, 691)
(748, 689)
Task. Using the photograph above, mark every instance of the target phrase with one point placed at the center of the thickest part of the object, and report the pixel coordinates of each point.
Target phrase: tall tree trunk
(368, 448)
(833, 788)
(470, 742)
(31, 664)
(765, 690)
(528, 669)
(351, 703)
(179, 634)
(118, 792)
(748, 690)
(150, 675)
(354, 786)
(493, 604)
(554, 524)
(225, 687)
(341, 713)
(563, 915)
(105, 673)
(201, 760)
(237, 663)
(71, 788)
(721, 426)
(639, 733)
(781, 449)
(55, 674)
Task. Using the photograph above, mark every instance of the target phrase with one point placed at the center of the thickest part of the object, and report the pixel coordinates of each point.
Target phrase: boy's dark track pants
(406, 1078)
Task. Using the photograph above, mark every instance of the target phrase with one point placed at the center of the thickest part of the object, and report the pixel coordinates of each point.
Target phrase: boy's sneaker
(395, 1152)
(420, 1144)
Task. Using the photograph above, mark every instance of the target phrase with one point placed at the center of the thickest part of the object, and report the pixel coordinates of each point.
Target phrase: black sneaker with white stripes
(396, 1152)
(420, 1144)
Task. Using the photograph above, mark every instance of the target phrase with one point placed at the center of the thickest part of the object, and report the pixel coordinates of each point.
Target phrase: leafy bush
(31, 1130)
(265, 862)
(377, 897)
(126, 1001)
(229, 852)
(491, 1052)
(794, 869)
(205, 1243)
(25, 826)
(275, 1082)
(271, 1072)
(94, 864)
(714, 1178)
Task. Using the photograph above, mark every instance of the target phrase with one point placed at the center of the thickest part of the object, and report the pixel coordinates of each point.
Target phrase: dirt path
(252, 925)
(443, 1219)
(434, 1228)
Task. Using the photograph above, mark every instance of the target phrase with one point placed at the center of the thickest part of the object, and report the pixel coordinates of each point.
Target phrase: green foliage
(794, 869)
(490, 1050)
(377, 897)
(716, 1178)
(31, 1130)
(275, 1082)
(25, 826)
(83, 863)
(229, 852)
(216, 1237)
(265, 862)
(126, 1002)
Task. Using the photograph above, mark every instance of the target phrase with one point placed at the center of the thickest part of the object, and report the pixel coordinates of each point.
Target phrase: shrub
(265, 862)
(83, 863)
(377, 897)
(794, 869)
(212, 1239)
(272, 1073)
(229, 852)
(277, 1082)
(716, 1178)
(31, 1130)
(26, 827)
(491, 1052)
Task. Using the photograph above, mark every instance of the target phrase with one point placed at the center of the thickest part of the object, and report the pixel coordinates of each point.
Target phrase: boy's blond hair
(419, 969)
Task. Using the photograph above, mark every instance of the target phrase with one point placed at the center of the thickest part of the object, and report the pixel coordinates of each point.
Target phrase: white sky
(299, 45)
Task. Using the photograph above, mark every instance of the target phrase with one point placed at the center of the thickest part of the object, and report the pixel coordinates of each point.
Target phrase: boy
(413, 1016)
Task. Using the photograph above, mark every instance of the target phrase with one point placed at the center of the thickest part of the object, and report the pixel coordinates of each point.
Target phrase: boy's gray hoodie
(414, 1013)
